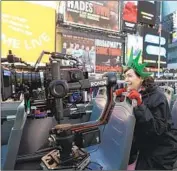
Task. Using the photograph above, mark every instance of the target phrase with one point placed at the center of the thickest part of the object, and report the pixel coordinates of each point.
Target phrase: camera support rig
(54, 72)
(66, 139)
(69, 139)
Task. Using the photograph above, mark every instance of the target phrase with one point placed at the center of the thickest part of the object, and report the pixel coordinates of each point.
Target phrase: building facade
(169, 22)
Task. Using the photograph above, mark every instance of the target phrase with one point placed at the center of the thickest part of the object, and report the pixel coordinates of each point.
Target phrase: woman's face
(132, 80)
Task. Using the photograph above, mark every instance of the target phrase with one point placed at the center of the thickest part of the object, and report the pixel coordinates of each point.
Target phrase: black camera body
(34, 83)
(35, 80)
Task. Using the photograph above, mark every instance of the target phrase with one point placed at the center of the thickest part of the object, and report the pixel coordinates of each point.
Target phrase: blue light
(7, 73)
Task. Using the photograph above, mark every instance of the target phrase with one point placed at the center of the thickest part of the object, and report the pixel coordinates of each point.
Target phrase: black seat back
(169, 93)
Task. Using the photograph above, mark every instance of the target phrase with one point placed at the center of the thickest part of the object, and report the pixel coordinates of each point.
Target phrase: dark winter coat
(154, 138)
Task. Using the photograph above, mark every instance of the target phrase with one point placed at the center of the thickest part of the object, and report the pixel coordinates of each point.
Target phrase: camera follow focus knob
(58, 88)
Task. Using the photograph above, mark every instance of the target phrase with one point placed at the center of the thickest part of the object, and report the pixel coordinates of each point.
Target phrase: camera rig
(56, 83)
(37, 83)
(69, 139)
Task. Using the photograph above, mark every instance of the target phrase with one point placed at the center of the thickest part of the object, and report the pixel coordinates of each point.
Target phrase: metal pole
(56, 75)
(160, 34)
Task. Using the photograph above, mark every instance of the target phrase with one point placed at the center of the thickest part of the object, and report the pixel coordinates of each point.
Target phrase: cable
(101, 167)
(73, 105)
(89, 168)
(45, 150)
(30, 157)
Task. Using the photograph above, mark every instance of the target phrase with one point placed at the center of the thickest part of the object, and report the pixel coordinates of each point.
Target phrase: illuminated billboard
(152, 48)
(147, 12)
(27, 29)
(135, 42)
(129, 16)
(94, 14)
(95, 53)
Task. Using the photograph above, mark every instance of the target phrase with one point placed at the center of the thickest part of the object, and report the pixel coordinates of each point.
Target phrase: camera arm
(60, 88)
(70, 138)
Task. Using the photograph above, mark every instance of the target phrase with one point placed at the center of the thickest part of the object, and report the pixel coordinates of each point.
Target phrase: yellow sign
(27, 29)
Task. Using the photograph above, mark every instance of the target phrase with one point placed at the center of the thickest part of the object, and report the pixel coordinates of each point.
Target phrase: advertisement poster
(174, 37)
(147, 12)
(137, 43)
(130, 16)
(151, 47)
(174, 34)
(108, 55)
(27, 30)
(95, 55)
(95, 14)
(82, 49)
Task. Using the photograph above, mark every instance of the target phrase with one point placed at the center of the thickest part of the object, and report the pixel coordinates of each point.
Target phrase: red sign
(129, 16)
(130, 11)
(108, 55)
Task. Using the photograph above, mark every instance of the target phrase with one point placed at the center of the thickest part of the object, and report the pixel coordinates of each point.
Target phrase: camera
(45, 87)
(52, 91)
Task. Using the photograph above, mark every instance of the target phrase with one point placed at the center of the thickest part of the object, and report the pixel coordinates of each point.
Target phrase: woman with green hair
(155, 142)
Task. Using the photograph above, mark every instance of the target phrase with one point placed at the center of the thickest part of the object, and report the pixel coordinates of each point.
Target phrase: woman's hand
(120, 91)
(135, 95)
